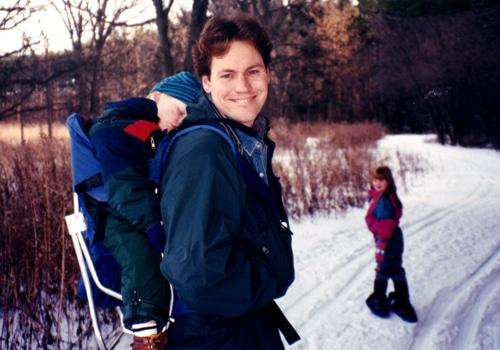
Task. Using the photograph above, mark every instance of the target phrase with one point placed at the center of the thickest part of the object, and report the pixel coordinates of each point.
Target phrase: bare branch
(15, 14)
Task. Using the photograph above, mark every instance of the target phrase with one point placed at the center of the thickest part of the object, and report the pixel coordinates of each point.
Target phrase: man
(228, 253)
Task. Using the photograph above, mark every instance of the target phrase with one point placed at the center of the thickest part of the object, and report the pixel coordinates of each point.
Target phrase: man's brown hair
(220, 31)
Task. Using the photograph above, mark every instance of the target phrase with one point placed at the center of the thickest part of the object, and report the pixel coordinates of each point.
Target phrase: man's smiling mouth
(243, 101)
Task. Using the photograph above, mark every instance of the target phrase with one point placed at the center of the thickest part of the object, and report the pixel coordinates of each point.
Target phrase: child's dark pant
(392, 266)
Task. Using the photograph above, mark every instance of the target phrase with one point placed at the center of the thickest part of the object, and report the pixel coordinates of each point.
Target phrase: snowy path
(451, 225)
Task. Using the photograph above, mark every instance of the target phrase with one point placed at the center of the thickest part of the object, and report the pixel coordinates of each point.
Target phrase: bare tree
(94, 21)
(13, 62)
(198, 19)
(312, 44)
(12, 17)
(162, 23)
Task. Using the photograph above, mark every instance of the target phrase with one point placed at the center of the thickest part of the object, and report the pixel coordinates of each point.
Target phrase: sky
(49, 21)
(451, 225)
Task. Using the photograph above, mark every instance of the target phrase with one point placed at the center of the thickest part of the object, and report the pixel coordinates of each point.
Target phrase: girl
(382, 219)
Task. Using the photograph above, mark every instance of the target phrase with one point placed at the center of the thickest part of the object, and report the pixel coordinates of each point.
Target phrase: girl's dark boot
(399, 301)
(377, 301)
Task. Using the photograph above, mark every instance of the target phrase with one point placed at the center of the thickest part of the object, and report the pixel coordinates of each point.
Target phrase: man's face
(238, 82)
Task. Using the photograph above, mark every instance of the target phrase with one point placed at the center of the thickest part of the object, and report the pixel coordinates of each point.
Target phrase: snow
(451, 225)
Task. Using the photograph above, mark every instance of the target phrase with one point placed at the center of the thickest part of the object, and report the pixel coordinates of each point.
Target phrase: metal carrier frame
(76, 225)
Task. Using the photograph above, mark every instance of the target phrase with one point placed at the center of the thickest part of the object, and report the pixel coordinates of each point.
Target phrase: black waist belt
(282, 322)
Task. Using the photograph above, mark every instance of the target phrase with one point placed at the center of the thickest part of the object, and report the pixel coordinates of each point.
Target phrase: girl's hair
(220, 31)
(384, 173)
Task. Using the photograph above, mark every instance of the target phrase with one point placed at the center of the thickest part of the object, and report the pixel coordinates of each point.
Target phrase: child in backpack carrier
(382, 220)
(123, 141)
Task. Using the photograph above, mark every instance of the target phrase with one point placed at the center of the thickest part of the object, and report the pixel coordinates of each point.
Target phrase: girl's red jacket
(383, 215)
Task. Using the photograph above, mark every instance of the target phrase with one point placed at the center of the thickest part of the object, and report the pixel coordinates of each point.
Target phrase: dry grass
(33, 246)
(11, 132)
(39, 273)
(323, 166)
(323, 169)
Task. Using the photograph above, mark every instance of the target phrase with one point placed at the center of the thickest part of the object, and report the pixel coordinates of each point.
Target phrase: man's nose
(242, 84)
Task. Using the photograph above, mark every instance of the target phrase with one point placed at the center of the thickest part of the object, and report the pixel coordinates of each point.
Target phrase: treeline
(414, 66)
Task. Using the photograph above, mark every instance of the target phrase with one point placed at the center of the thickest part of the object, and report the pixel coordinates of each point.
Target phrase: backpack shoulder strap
(157, 164)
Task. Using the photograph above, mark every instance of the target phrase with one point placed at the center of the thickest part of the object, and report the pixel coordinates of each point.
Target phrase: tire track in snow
(483, 188)
(362, 255)
(357, 272)
(325, 308)
(356, 268)
(330, 283)
(439, 324)
(471, 296)
(360, 269)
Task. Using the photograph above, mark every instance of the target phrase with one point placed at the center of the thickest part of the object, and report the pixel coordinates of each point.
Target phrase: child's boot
(400, 302)
(377, 301)
(156, 341)
(147, 337)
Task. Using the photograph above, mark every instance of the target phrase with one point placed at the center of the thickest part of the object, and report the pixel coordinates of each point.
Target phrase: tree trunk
(198, 19)
(167, 65)
(50, 109)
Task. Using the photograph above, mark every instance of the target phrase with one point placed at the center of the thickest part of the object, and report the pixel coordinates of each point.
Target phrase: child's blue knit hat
(183, 86)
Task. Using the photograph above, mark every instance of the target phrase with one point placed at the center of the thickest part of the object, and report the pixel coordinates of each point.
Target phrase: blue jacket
(228, 251)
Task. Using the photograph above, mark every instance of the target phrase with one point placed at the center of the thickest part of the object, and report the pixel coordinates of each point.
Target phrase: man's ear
(205, 80)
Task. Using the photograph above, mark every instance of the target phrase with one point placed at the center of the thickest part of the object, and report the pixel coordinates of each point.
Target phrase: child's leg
(392, 266)
(399, 299)
(145, 290)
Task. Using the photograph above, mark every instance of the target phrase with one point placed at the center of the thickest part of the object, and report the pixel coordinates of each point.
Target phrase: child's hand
(380, 246)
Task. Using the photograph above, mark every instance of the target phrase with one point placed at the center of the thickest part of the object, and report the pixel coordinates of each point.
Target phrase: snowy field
(451, 225)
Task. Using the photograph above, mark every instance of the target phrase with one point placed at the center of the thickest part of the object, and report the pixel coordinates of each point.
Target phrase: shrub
(323, 169)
